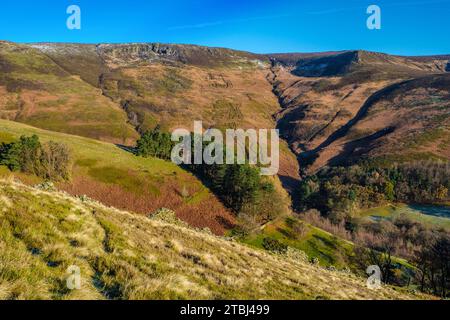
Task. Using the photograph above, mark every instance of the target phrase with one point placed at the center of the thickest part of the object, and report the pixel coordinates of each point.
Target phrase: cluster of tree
(379, 242)
(338, 191)
(242, 189)
(430, 256)
(51, 160)
(240, 186)
(155, 143)
(433, 264)
(382, 242)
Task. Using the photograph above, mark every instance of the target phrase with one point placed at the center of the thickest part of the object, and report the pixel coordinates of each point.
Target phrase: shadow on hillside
(291, 185)
(225, 223)
(126, 148)
(357, 148)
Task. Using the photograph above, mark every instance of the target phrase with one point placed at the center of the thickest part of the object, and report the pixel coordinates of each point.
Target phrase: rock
(46, 186)
(168, 216)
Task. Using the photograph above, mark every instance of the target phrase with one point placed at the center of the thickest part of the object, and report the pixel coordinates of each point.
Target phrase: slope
(171, 86)
(124, 256)
(37, 91)
(116, 177)
(325, 96)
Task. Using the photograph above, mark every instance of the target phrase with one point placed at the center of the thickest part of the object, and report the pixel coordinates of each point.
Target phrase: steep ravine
(290, 183)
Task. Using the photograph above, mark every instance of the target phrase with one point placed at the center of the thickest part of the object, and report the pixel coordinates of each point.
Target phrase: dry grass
(125, 256)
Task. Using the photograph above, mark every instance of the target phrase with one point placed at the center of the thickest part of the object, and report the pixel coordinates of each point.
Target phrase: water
(439, 215)
(436, 211)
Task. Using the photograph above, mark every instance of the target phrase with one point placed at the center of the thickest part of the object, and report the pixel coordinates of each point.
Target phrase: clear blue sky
(412, 27)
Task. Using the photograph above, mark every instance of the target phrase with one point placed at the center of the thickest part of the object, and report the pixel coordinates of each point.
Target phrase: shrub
(299, 229)
(297, 255)
(274, 245)
(51, 160)
(46, 186)
(155, 143)
(55, 161)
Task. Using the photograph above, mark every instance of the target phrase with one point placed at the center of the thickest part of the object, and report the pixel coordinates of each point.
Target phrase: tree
(441, 193)
(55, 161)
(155, 143)
(389, 191)
(433, 262)
(22, 155)
(240, 186)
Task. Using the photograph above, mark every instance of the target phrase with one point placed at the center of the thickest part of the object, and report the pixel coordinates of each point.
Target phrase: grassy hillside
(125, 256)
(116, 177)
(37, 91)
(316, 243)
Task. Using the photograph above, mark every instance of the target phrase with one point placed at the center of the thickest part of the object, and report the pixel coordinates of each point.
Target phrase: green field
(316, 243)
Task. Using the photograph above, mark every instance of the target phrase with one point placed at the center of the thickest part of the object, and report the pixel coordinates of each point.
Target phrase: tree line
(339, 191)
(333, 197)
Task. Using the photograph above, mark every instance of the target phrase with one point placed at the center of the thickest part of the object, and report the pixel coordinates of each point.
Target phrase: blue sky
(410, 27)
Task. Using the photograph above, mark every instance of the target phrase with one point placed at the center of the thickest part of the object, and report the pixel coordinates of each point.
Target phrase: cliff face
(185, 54)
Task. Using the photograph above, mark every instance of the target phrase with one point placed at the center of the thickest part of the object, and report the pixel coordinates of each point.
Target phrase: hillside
(37, 91)
(116, 177)
(308, 96)
(332, 106)
(360, 130)
(119, 91)
(125, 256)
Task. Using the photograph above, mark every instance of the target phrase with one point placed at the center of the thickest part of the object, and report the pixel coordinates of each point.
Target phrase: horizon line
(219, 47)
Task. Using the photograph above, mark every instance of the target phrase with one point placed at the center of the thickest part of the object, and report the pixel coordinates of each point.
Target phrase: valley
(365, 152)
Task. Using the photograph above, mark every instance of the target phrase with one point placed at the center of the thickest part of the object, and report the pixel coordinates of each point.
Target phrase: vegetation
(244, 191)
(340, 191)
(41, 93)
(240, 186)
(51, 160)
(126, 256)
(275, 246)
(155, 143)
(109, 93)
(118, 178)
(317, 245)
(433, 263)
